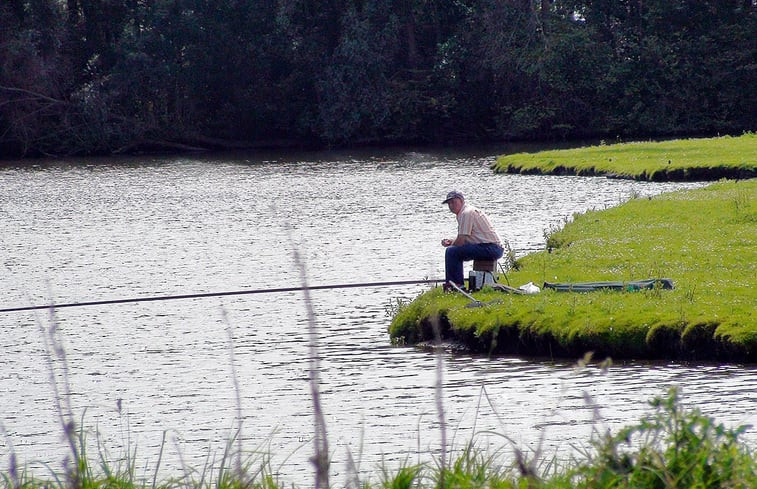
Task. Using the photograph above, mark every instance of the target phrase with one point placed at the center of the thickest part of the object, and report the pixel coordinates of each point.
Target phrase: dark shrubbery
(92, 76)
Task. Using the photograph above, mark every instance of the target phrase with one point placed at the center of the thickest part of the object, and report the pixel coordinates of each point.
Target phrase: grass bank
(705, 240)
(672, 448)
(677, 160)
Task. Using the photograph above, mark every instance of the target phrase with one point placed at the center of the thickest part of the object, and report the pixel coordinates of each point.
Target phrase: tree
(33, 81)
(354, 88)
(95, 76)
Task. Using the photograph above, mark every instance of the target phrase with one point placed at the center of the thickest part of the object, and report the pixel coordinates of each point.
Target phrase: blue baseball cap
(454, 195)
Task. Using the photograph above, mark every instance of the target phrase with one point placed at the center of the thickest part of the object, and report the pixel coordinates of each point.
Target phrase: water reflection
(98, 230)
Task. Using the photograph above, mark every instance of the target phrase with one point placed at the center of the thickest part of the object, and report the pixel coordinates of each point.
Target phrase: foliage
(701, 239)
(93, 76)
(672, 448)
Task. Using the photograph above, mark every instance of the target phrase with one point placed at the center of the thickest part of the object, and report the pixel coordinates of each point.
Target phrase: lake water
(152, 373)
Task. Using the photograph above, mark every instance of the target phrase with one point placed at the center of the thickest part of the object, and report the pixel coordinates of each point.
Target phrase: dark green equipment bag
(652, 283)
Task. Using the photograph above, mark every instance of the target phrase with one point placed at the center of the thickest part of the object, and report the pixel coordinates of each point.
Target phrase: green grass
(685, 159)
(672, 448)
(705, 240)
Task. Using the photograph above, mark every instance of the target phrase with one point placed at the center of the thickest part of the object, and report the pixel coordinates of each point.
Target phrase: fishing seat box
(482, 274)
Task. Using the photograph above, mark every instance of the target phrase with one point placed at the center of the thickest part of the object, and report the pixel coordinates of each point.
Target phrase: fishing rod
(221, 294)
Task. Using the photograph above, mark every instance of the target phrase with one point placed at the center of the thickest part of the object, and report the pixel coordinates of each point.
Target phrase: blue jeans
(454, 257)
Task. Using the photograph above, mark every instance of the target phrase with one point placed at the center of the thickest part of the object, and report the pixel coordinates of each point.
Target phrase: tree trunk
(545, 5)
(410, 39)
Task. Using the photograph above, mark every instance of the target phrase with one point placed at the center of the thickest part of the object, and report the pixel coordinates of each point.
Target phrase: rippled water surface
(148, 373)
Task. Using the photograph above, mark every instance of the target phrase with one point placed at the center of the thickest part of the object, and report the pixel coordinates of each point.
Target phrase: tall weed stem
(321, 455)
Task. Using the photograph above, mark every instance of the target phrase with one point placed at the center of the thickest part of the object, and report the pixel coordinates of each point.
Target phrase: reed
(321, 449)
(670, 449)
(674, 448)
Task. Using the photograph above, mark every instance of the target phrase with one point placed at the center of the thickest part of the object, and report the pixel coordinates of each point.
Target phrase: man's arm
(460, 240)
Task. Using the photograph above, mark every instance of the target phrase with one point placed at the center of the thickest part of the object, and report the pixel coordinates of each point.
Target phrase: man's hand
(446, 242)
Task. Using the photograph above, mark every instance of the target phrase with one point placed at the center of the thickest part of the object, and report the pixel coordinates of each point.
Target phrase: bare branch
(36, 95)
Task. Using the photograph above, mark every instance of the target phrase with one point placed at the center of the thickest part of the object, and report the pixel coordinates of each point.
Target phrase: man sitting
(476, 239)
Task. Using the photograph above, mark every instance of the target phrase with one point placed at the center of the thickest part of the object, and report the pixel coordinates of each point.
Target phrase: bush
(672, 449)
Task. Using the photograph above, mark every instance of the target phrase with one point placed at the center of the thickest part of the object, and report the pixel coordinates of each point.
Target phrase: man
(476, 239)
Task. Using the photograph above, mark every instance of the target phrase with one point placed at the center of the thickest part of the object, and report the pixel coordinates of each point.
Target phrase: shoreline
(703, 239)
(703, 347)
(677, 175)
(679, 160)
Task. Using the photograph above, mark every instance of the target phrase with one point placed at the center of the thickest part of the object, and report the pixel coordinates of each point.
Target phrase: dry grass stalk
(321, 456)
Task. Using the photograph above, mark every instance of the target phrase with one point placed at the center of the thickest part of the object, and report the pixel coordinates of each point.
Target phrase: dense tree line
(97, 76)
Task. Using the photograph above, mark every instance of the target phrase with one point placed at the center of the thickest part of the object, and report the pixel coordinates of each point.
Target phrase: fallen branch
(36, 95)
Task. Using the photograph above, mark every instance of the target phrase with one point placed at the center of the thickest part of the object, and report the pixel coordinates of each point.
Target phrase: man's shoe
(448, 287)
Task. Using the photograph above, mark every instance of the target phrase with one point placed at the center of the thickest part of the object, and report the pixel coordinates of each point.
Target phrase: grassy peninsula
(677, 160)
(705, 240)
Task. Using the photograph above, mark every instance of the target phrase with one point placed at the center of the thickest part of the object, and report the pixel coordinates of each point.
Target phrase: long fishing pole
(220, 294)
